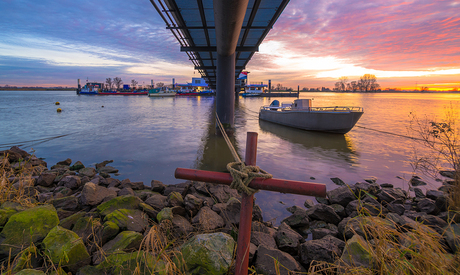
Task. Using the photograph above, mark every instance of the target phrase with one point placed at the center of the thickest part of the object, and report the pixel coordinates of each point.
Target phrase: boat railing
(316, 109)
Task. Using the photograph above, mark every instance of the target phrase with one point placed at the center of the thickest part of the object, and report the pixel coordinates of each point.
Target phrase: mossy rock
(128, 219)
(13, 205)
(109, 231)
(5, 214)
(208, 253)
(77, 166)
(126, 263)
(165, 214)
(90, 270)
(64, 247)
(357, 252)
(26, 227)
(126, 240)
(121, 202)
(30, 272)
(70, 221)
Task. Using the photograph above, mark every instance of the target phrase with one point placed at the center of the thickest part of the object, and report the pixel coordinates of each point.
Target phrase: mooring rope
(242, 175)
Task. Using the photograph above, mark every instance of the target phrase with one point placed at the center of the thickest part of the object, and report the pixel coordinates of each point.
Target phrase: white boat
(158, 92)
(254, 90)
(300, 114)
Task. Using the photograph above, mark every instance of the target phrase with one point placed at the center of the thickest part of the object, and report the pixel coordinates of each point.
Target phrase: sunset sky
(405, 44)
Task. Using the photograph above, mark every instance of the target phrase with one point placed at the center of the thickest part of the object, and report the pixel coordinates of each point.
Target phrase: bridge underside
(220, 37)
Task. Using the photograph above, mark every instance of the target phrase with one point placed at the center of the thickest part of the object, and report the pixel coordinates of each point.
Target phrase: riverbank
(79, 219)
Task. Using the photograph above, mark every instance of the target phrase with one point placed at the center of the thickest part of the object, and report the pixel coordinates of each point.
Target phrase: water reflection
(322, 143)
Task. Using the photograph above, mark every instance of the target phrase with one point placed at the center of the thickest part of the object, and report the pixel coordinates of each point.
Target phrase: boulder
(29, 271)
(157, 186)
(324, 213)
(209, 253)
(338, 181)
(261, 238)
(109, 231)
(122, 202)
(93, 194)
(125, 241)
(87, 171)
(182, 188)
(206, 219)
(181, 226)
(139, 185)
(319, 233)
(342, 195)
(387, 195)
(107, 169)
(63, 247)
(67, 203)
(46, 179)
(72, 182)
(65, 162)
(298, 219)
(416, 181)
(76, 166)
(86, 227)
(128, 219)
(175, 199)
(157, 201)
(138, 262)
(288, 240)
(26, 227)
(230, 211)
(309, 203)
(165, 214)
(428, 206)
(222, 193)
(273, 261)
(357, 252)
(150, 211)
(327, 249)
(452, 237)
(192, 204)
(126, 191)
(70, 221)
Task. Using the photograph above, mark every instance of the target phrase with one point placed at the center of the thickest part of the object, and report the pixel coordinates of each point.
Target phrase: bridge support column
(225, 92)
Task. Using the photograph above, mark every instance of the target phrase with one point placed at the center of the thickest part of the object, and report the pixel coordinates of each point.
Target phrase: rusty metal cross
(247, 201)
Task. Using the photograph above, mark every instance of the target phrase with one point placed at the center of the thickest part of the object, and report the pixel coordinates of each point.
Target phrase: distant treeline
(13, 88)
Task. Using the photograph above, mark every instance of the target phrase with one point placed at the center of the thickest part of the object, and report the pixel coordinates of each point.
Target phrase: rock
(72, 182)
(428, 206)
(29, 271)
(139, 185)
(448, 173)
(61, 192)
(261, 238)
(222, 193)
(416, 181)
(157, 201)
(181, 226)
(319, 233)
(210, 253)
(150, 211)
(327, 249)
(257, 226)
(113, 182)
(322, 200)
(66, 203)
(285, 263)
(122, 202)
(351, 226)
(308, 203)
(182, 188)
(206, 219)
(231, 211)
(396, 208)
(66, 162)
(192, 204)
(85, 227)
(125, 241)
(298, 219)
(46, 179)
(27, 258)
(434, 194)
(452, 237)
(419, 193)
(341, 195)
(87, 171)
(371, 180)
(5, 214)
(28, 226)
(357, 252)
(128, 219)
(324, 213)
(103, 164)
(339, 210)
(434, 222)
(157, 186)
(338, 181)
(386, 185)
(387, 195)
(165, 214)
(107, 169)
(144, 194)
(109, 231)
(175, 199)
(126, 191)
(76, 166)
(288, 240)
(93, 194)
(63, 247)
(70, 221)
(138, 262)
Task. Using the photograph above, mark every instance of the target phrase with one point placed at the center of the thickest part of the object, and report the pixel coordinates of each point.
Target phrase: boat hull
(250, 94)
(162, 94)
(121, 93)
(323, 121)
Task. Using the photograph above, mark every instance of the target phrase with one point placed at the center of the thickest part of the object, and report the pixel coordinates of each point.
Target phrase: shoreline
(106, 216)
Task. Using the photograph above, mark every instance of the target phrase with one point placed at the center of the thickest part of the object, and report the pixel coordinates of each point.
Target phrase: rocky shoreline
(78, 219)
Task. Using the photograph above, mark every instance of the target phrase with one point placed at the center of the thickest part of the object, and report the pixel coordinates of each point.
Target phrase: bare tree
(109, 83)
(424, 89)
(117, 82)
(133, 83)
(368, 83)
(160, 84)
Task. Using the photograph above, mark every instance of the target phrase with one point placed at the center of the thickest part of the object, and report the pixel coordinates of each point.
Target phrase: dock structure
(220, 37)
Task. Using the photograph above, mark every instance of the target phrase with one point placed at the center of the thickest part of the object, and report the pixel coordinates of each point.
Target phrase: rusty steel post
(247, 201)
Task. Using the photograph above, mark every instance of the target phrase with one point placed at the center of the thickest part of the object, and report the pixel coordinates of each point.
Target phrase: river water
(148, 138)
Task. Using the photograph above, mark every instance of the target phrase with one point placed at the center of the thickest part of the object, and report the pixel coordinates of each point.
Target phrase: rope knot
(242, 175)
